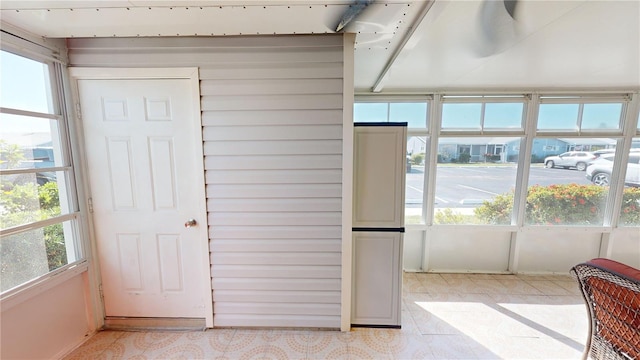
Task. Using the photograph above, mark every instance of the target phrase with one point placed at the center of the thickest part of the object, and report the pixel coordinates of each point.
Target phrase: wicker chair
(611, 291)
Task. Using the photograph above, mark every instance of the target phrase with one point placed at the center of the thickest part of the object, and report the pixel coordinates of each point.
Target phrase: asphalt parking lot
(468, 186)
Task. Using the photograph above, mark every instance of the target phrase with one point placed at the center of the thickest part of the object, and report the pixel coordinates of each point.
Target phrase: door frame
(90, 246)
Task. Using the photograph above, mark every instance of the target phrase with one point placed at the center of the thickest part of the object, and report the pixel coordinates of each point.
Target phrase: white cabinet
(377, 278)
(379, 175)
(378, 223)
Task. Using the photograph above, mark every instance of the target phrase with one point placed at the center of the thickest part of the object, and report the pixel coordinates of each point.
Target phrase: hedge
(567, 204)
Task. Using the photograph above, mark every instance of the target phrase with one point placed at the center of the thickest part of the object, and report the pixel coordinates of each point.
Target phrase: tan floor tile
(571, 286)
(95, 345)
(411, 347)
(327, 345)
(463, 316)
(248, 344)
(294, 345)
(518, 287)
(123, 348)
(449, 347)
(359, 351)
(151, 341)
(548, 287)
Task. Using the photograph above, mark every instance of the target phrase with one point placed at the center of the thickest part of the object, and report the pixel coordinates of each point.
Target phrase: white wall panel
(556, 250)
(270, 86)
(280, 70)
(272, 132)
(277, 162)
(272, 102)
(272, 128)
(271, 176)
(412, 250)
(468, 249)
(625, 246)
(271, 117)
(284, 245)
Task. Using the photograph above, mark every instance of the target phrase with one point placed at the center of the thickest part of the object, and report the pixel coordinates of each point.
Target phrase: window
(414, 113)
(414, 190)
(601, 116)
(461, 116)
(475, 180)
(478, 181)
(37, 208)
(560, 191)
(579, 116)
(558, 117)
(630, 209)
(491, 114)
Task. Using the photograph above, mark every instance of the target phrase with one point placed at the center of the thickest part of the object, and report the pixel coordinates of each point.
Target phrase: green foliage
(22, 204)
(417, 159)
(464, 158)
(568, 204)
(630, 210)
(496, 212)
(448, 216)
(10, 154)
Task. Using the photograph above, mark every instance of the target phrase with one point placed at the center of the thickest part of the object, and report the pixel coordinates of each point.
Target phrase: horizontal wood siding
(272, 130)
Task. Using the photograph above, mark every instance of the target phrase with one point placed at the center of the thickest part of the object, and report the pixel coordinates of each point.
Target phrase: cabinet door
(377, 278)
(379, 175)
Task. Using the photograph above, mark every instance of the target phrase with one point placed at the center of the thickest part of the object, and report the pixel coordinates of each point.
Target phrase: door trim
(188, 73)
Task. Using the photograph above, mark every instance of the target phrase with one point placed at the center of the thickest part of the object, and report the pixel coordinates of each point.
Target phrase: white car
(575, 159)
(599, 172)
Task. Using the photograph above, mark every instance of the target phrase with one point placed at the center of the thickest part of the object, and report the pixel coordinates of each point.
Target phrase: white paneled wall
(272, 130)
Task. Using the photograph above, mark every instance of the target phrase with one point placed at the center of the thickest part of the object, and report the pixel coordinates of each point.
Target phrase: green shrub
(448, 216)
(417, 159)
(568, 204)
(25, 203)
(630, 209)
(497, 211)
(464, 158)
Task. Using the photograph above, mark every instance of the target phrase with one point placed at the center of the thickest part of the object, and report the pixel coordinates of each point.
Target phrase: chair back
(611, 291)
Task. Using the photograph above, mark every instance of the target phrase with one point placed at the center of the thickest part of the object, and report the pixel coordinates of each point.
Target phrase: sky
(496, 115)
(23, 85)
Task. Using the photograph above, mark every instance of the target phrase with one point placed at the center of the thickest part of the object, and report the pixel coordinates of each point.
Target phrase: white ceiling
(401, 46)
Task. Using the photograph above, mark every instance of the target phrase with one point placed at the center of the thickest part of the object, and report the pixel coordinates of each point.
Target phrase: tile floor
(444, 316)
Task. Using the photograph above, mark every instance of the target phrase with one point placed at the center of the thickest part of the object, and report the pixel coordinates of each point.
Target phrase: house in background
(272, 88)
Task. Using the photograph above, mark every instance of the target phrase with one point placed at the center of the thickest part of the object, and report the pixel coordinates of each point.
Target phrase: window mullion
(35, 114)
(34, 170)
(38, 224)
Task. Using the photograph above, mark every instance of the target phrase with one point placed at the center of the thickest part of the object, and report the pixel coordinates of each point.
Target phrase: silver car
(570, 159)
(599, 172)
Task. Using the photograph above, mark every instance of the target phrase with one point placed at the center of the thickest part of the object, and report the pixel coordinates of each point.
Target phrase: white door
(143, 147)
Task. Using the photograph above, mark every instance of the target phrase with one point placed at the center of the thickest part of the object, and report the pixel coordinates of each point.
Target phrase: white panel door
(145, 173)
(377, 278)
(379, 176)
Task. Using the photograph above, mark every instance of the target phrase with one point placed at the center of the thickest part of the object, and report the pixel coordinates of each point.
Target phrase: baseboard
(137, 323)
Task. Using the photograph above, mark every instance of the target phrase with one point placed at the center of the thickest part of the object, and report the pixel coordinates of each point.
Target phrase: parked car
(599, 172)
(599, 153)
(575, 159)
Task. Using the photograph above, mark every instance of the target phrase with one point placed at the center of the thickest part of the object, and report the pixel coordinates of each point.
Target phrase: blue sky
(496, 115)
(23, 85)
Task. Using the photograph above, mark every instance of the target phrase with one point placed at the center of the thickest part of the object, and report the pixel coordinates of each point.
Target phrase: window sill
(37, 286)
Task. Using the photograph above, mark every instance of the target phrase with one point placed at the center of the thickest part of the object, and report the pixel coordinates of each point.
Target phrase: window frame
(68, 190)
(628, 129)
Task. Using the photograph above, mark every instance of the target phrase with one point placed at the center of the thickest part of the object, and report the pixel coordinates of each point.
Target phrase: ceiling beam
(379, 84)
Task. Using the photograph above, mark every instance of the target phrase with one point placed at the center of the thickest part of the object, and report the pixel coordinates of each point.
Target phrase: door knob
(190, 223)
